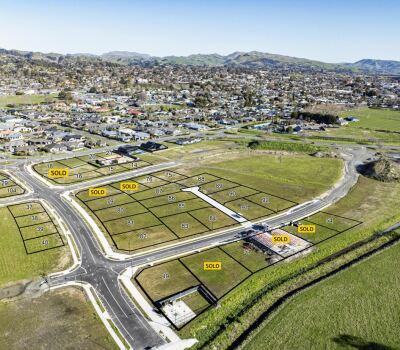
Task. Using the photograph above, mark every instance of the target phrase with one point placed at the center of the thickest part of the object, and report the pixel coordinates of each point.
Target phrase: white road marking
(114, 297)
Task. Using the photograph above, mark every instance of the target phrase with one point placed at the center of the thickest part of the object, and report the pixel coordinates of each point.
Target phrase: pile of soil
(383, 170)
(325, 155)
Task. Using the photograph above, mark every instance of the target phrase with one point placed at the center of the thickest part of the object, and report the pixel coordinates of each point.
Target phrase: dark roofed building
(150, 146)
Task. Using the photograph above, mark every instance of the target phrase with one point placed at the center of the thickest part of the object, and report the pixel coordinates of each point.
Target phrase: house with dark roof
(150, 146)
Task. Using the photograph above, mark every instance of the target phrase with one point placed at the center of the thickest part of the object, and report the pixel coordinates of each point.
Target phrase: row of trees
(320, 118)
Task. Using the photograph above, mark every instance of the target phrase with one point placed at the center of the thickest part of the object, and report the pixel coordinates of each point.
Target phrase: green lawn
(167, 199)
(157, 191)
(320, 234)
(149, 181)
(110, 201)
(120, 211)
(198, 180)
(333, 222)
(217, 281)
(271, 202)
(247, 209)
(131, 223)
(166, 279)
(247, 255)
(180, 207)
(213, 218)
(11, 191)
(34, 219)
(290, 177)
(375, 126)
(38, 230)
(26, 209)
(376, 119)
(196, 302)
(184, 225)
(15, 264)
(216, 186)
(143, 238)
(8, 187)
(286, 146)
(357, 309)
(40, 244)
(169, 175)
(232, 194)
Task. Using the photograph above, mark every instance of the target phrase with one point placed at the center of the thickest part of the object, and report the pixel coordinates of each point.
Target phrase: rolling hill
(253, 59)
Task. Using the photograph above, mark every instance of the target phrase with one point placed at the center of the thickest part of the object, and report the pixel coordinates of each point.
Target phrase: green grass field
(120, 211)
(320, 234)
(21, 100)
(286, 146)
(85, 168)
(253, 259)
(217, 281)
(375, 119)
(232, 194)
(370, 201)
(290, 177)
(143, 238)
(247, 209)
(15, 264)
(178, 208)
(161, 190)
(33, 219)
(213, 218)
(167, 199)
(357, 309)
(130, 223)
(62, 319)
(196, 302)
(166, 279)
(216, 186)
(43, 229)
(157, 209)
(8, 187)
(184, 225)
(376, 126)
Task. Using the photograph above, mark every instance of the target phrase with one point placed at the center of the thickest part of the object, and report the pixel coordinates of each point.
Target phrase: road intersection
(102, 272)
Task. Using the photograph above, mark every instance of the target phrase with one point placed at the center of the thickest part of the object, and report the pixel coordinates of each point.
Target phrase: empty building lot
(8, 187)
(183, 288)
(158, 211)
(93, 166)
(30, 243)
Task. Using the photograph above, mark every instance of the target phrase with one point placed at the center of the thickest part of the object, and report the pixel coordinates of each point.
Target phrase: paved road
(102, 273)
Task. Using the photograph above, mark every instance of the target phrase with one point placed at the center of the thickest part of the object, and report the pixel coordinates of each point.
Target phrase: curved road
(102, 273)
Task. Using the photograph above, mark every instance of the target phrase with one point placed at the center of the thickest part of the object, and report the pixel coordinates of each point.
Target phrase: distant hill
(253, 59)
(378, 66)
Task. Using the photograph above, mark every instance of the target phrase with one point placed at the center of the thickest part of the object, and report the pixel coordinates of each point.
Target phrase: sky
(326, 30)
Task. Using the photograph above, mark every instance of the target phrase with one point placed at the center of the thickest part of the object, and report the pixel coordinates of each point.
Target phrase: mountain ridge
(252, 59)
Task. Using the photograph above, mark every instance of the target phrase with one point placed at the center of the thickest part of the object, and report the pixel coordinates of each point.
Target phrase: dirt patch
(383, 170)
(13, 290)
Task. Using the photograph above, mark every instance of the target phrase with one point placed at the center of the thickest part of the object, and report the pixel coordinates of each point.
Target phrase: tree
(92, 90)
(65, 95)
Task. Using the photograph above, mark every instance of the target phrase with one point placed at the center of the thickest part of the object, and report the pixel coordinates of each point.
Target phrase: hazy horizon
(190, 54)
(337, 32)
